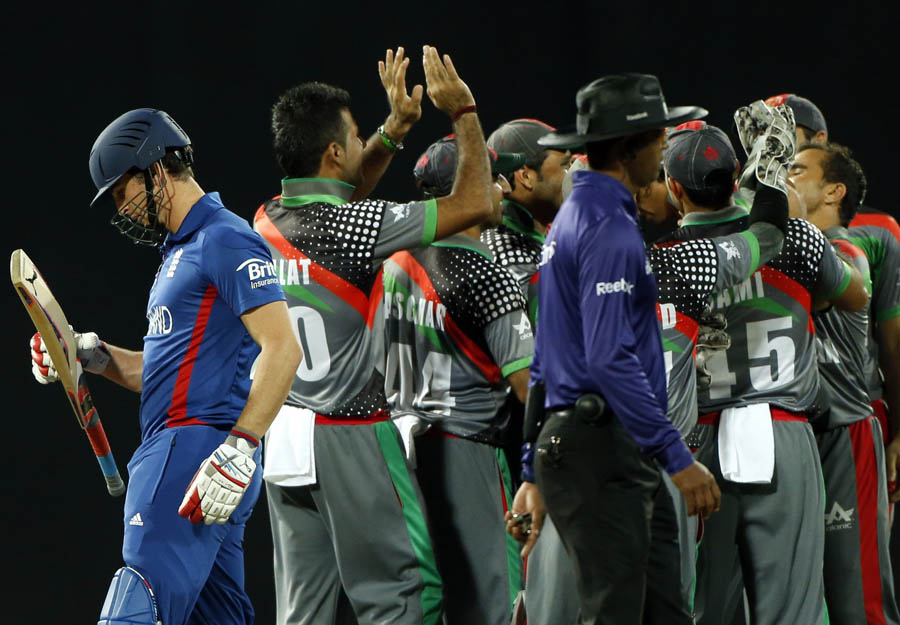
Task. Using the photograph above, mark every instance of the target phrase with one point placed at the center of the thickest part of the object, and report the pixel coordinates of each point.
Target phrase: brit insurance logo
(838, 518)
(261, 272)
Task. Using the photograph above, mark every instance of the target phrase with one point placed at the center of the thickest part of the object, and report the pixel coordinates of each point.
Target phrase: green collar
(300, 191)
(465, 242)
(702, 218)
(517, 217)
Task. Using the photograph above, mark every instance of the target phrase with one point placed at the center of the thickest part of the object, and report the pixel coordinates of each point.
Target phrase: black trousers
(600, 492)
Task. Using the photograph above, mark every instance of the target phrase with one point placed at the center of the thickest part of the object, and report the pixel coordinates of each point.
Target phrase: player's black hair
(717, 193)
(603, 154)
(838, 165)
(305, 119)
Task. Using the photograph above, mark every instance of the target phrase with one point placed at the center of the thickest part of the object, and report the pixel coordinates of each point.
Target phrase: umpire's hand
(699, 488)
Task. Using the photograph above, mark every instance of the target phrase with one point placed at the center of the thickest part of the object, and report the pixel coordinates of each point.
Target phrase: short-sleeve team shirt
(772, 354)
(328, 254)
(455, 327)
(197, 352)
(687, 274)
(841, 339)
(875, 234)
(516, 246)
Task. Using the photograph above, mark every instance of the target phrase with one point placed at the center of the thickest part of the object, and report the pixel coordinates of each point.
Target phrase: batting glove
(220, 482)
(89, 349)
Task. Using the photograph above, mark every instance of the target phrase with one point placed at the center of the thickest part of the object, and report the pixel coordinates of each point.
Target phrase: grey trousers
(776, 529)
(859, 585)
(468, 488)
(362, 527)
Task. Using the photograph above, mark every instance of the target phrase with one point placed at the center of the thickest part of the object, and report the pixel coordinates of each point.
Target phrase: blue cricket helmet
(134, 140)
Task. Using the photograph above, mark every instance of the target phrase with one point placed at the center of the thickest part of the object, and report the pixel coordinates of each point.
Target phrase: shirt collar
(198, 215)
(703, 218)
(517, 217)
(466, 242)
(836, 232)
(300, 191)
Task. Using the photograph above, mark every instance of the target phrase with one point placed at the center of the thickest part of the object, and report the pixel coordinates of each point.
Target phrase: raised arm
(406, 109)
(469, 203)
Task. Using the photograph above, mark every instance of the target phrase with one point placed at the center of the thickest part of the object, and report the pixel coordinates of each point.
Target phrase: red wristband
(462, 111)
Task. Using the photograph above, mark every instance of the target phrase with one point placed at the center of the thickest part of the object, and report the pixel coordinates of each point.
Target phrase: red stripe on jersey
(178, 409)
(535, 277)
(481, 360)
(683, 324)
(321, 276)
(375, 297)
(864, 459)
(848, 248)
(792, 289)
(879, 220)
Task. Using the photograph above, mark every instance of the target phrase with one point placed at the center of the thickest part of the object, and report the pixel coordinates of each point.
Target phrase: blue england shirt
(598, 330)
(197, 352)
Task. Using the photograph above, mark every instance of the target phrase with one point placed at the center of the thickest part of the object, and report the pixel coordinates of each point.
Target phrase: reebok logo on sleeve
(619, 286)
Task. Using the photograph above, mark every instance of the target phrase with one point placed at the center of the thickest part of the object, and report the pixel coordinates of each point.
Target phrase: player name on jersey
(420, 310)
(751, 288)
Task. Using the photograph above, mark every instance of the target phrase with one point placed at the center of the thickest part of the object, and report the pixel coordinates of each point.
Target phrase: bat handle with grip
(97, 436)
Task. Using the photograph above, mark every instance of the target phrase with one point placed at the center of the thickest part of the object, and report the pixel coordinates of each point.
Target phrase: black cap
(619, 105)
(697, 150)
(436, 167)
(806, 113)
(520, 136)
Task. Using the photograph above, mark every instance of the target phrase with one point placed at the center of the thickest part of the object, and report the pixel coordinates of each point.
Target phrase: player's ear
(526, 177)
(835, 192)
(334, 155)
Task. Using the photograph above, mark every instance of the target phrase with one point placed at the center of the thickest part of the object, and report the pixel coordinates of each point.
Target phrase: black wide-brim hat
(616, 106)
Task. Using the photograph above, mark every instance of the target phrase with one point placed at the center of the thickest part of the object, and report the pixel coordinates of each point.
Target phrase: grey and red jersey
(841, 339)
(687, 274)
(772, 355)
(456, 327)
(874, 235)
(328, 255)
(516, 246)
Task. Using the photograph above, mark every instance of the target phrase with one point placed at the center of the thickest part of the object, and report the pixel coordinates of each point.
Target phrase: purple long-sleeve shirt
(598, 331)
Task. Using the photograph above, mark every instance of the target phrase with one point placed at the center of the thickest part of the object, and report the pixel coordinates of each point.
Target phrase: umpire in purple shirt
(598, 354)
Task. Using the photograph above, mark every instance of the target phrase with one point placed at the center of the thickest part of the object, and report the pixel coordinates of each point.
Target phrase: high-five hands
(444, 87)
(406, 108)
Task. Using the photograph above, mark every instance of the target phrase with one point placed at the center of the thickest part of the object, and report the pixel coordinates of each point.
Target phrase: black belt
(589, 408)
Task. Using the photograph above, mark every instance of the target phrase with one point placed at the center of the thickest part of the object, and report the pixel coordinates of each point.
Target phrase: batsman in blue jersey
(598, 356)
(215, 307)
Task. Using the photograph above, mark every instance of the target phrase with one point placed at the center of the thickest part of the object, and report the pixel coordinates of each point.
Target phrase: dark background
(217, 71)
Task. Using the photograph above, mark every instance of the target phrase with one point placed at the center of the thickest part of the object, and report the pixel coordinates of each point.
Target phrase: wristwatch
(393, 146)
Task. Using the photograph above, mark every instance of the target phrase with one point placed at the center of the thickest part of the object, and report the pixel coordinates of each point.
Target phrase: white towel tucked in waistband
(289, 458)
(410, 425)
(747, 444)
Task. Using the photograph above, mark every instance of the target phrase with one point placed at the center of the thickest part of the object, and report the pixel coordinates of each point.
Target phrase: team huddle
(605, 375)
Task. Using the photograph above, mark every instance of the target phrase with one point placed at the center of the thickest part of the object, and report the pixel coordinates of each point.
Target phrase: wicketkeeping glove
(90, 350)
(712, 338)
(769, 137)
(220, 482)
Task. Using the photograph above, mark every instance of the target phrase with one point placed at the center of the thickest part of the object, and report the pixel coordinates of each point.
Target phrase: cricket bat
(56, 335)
